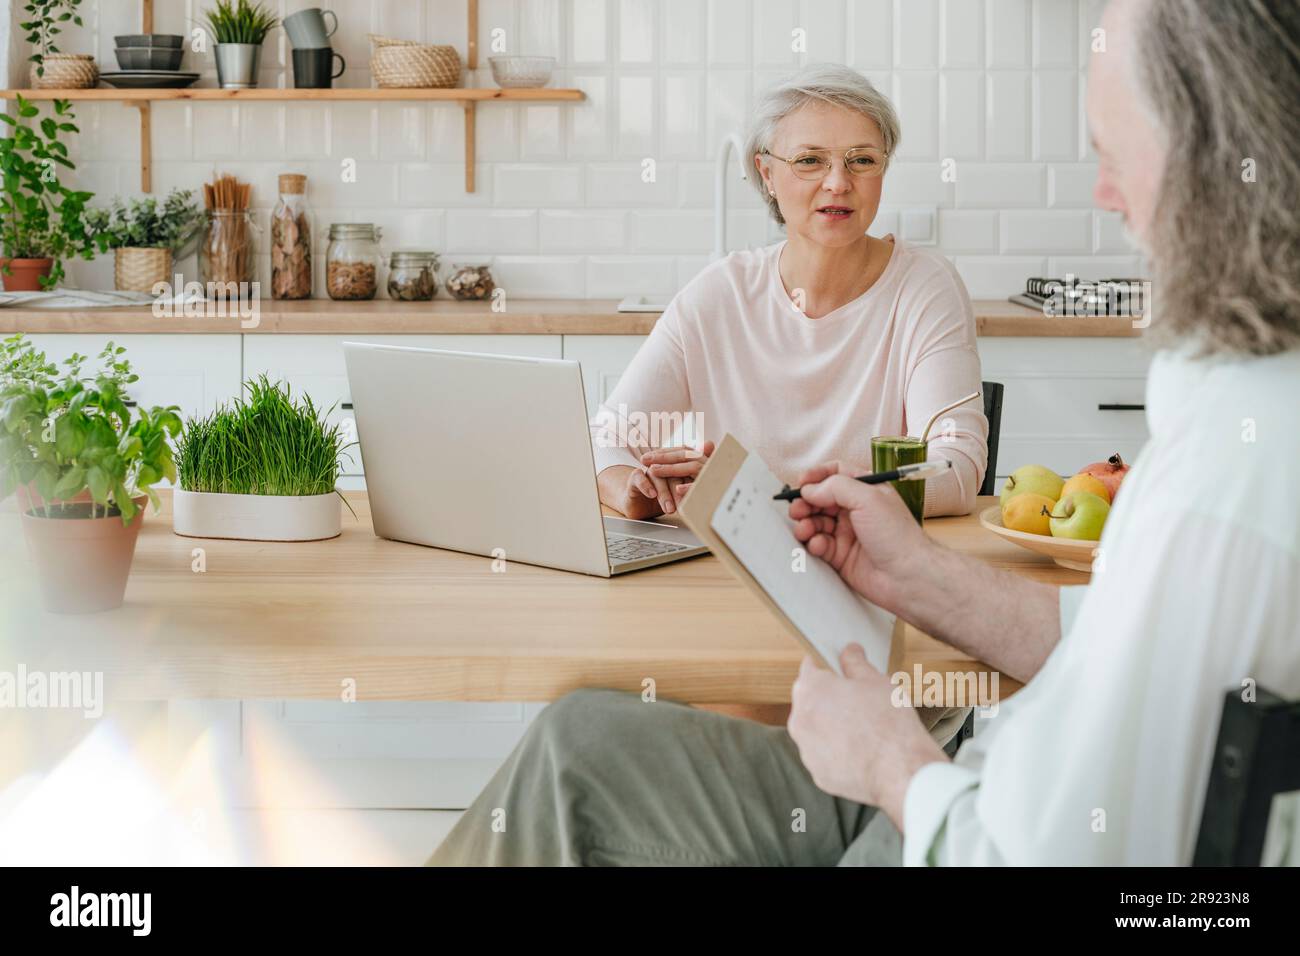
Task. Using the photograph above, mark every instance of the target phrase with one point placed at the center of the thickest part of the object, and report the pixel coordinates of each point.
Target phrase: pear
(1032, 478)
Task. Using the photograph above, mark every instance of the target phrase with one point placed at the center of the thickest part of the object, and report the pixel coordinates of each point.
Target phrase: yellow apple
(1089, 483)
(1029, 513)
(1034, 479)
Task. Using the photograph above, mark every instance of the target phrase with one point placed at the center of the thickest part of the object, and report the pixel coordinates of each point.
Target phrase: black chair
(1256, 757)
(993, 412)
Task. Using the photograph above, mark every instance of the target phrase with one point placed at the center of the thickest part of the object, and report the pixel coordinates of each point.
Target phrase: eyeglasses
(816, 163)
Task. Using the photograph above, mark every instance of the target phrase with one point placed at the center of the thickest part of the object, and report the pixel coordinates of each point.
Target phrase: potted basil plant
(83, 464)
(238, 30)
(261, 468)
(145, 237)
(41, 220)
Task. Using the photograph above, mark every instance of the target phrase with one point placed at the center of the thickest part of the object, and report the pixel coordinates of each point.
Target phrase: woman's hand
(677, 469)
(864, 532)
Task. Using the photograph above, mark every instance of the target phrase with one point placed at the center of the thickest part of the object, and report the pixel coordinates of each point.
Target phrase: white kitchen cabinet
(1067, 401)
(196, 372)
(376, 755)
(314, 365)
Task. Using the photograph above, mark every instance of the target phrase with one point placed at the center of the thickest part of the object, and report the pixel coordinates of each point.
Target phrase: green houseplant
(50, 67)
(238, 30)
(145, 236)
(83, 464)
(41, 220)
(262, 467)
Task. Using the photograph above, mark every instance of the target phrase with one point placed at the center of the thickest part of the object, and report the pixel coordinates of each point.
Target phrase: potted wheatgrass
(262, 468)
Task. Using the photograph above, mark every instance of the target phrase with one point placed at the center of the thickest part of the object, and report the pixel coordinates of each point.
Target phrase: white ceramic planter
(199, 514)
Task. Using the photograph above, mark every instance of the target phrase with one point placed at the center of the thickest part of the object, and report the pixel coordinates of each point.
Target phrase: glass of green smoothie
(890, 451)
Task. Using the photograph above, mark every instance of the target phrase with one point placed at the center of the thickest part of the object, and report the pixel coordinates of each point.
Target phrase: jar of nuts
(412, 276)
(471, 282)
(352, 261)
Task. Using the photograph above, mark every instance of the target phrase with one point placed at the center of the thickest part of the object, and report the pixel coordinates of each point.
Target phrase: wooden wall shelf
(144, 98)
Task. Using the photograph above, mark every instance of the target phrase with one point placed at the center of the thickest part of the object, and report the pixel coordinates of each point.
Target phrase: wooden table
(263, 620)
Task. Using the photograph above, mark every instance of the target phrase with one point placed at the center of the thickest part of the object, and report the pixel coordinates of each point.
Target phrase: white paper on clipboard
(828, 613)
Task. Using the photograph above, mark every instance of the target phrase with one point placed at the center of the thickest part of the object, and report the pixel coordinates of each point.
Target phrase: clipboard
(697, 511)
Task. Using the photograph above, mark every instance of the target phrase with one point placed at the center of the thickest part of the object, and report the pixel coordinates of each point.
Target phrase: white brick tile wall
(916, 35)
(963, 230)
(561, 206)
(962, 36)
(1037, 231)
(997, 185)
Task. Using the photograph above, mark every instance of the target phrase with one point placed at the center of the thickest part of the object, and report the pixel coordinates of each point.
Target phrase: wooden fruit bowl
(1068, 553)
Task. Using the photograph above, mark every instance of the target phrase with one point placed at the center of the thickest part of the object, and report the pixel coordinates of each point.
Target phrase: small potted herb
(41, 220)
(238, 30)
(50, 68)
(262, 468)
(145, 237)
(83, 464)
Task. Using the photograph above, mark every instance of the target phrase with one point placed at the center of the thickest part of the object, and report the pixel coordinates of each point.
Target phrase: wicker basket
(136, 269)
(407, 64)
(66, 71)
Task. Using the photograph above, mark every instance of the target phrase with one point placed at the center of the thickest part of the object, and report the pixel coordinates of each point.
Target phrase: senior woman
(808, 348)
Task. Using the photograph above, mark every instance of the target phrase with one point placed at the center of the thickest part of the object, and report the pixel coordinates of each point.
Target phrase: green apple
(1079, 516)
(1032, 478)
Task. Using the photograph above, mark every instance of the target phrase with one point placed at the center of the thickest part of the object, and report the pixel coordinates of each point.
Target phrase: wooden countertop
(446, 316)
(268, 620)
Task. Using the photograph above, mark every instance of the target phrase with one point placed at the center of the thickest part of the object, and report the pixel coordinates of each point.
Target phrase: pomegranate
(1109, 472)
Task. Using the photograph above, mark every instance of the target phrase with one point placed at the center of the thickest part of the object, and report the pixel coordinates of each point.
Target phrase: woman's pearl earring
(771, 192)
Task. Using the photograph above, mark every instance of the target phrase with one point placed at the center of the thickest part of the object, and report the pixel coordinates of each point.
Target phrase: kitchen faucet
(730, 142)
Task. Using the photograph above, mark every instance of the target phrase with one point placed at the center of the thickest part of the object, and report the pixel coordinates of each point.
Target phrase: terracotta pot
(28, 497)
(82, 563)
(25, 274)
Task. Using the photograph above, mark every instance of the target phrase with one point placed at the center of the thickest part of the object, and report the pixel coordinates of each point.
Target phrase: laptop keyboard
(623, 547)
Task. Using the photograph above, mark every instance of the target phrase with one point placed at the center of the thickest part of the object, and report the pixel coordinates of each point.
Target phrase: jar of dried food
(471, 282)
(413, 276)
(291, 240)
(228, 254)
(352, 261)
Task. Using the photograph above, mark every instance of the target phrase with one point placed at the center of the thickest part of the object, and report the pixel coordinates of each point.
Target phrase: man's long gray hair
(1223, 81)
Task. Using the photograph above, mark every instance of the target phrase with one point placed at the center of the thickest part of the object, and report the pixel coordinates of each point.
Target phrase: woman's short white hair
(828, 83)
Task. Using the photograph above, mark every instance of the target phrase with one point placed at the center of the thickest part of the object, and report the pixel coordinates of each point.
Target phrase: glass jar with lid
(352, 261)
(412, 275)
(471, 282)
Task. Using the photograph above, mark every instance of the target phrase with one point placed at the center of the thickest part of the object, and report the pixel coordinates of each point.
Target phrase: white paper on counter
(826, 611)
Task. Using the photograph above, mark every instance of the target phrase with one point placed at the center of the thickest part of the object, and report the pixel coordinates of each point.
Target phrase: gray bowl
(149, 58)
(171, 41)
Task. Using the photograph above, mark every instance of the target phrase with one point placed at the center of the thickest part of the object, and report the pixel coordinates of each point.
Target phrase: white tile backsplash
(563, 204)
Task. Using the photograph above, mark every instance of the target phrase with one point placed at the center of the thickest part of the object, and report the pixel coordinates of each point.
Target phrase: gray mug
(306, 28)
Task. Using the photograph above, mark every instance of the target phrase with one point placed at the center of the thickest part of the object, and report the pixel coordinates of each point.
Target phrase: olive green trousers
(603, 778)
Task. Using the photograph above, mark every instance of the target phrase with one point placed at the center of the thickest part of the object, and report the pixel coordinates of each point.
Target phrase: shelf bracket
(471, 113)
(146, 142)
(471, 108)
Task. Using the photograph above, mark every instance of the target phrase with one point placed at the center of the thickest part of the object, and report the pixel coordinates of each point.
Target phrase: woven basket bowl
(410, 65)
(66, 71)
(136, 269)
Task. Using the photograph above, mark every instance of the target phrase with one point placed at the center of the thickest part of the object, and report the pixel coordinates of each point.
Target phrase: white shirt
(1199, 592)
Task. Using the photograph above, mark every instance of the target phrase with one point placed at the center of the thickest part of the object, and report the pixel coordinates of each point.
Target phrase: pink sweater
(731, 354)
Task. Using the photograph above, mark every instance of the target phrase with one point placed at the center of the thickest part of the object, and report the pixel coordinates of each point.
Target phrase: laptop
(491, 455)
